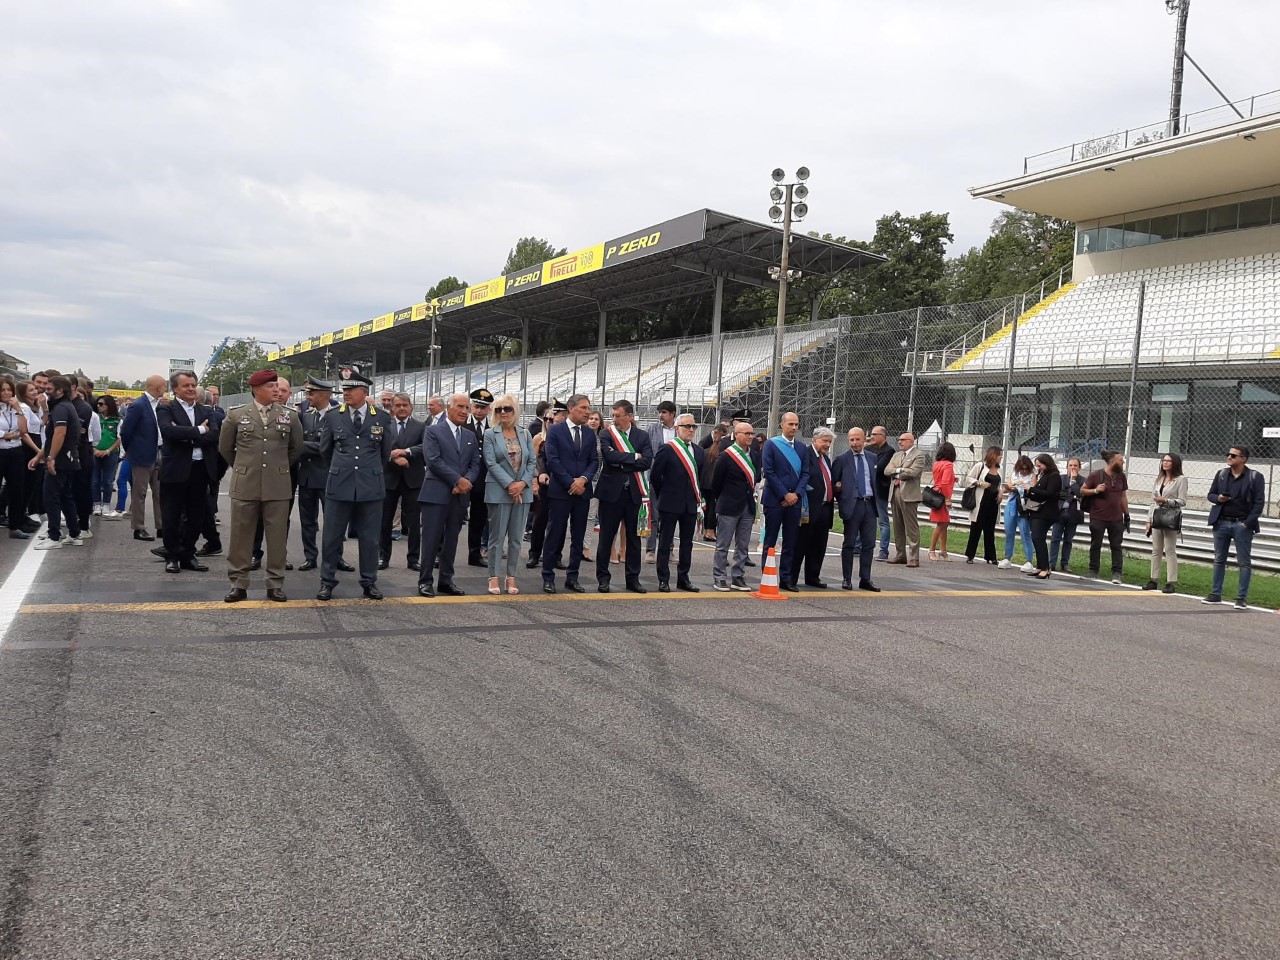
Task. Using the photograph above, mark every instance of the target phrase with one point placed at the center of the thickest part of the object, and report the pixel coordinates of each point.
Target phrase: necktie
(857, 474)
(356, 419)
(457, 438)
(826, 479)
(399, 429)
(577, 438)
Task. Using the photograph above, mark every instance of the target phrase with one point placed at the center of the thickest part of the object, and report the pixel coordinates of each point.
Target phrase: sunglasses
(685, 426)
(504, 409)
(1233, 456)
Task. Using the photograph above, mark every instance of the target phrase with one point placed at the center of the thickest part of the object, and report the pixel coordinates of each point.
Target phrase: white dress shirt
(196, 452)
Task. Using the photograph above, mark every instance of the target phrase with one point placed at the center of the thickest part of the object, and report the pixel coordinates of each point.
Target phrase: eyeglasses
(548, 419)
(1233, 456)
(504, 409)
(685, 426)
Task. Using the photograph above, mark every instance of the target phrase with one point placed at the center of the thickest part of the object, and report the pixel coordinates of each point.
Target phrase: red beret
(261, 377)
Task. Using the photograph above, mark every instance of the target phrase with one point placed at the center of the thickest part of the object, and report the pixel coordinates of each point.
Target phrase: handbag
(969, 499)
(932, 498)
(1166, 518)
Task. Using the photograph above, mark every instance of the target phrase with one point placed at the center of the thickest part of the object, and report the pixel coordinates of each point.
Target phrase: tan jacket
(259, 454)
(911, 463)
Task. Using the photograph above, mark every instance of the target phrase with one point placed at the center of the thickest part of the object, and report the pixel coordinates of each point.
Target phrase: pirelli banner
(621, 250)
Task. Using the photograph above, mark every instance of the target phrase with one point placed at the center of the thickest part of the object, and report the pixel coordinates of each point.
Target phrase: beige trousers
(1164, 545)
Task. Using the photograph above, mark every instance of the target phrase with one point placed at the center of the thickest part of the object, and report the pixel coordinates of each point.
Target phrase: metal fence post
(639, 370)
(1133, 368)
(675, 378)
(835, 365)
(911, 396)
(1007, 439)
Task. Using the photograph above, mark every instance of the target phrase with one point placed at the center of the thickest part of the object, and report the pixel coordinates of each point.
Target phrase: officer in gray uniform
(313, 472)
(357, 438)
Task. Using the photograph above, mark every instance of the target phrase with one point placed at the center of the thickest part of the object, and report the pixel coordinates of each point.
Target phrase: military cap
(350, 376)
(482, 397)
(559, 406)
(315, 383)
(262, 377)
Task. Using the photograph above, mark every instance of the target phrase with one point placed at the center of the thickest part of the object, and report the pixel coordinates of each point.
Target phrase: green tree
(529, 252)
(234, 365)
(110, 383)
(446, 286)
(1023, 249)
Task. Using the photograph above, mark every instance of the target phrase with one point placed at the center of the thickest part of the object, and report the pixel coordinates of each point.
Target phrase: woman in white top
(1016, 522)
(1170, 490)
(15, 453)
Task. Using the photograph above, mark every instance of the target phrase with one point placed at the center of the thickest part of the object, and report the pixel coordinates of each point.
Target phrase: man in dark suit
(140, 437)
(451, 454)
(733, 484)
(190, 465)
(678, 495)
(478, 518)
(572, 464)
(625, 455)
(355, 438)
(854, 475)
(811, 545)
(404, 481)
(785, 462)
(660, 433)
(313, 473)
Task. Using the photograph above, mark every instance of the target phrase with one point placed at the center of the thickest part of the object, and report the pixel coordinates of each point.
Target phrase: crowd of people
(378, 474)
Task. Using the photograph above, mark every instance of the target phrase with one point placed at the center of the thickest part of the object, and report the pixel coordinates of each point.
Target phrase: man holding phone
(1236, 498)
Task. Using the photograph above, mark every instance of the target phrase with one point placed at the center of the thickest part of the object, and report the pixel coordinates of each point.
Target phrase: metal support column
(402, 369)
(915, 354)
(675, 382)
(639, 370)
(1007, 438)
(524, 358)
(1133, 367)
(469, 346)
(717, 308)
(601, 337)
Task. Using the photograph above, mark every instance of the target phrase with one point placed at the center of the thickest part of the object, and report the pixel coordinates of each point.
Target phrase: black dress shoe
(426, 590)
(372, 592)
(548, 586)
(277, 595)
(477, 562)
(236, 595)
(255, 563)
(573, 586)
(142, 535)
(635, 586)
(846, 584)
(159, 552)
(209, 550)
(172, 566)
(451, 590)
(346, 567)
(603, 587)
(306, 565)
(533, 562)
(195, 565)
(868, 586)
(159, 534)
(384, 564)
(750, 562)
(789, 587)
(326, 592)
(414, 565)
(664, 587)
(816, 584)
(687, 587)
(288, 565)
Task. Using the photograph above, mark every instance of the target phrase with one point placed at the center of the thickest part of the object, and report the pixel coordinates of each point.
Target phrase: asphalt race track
(971, 764)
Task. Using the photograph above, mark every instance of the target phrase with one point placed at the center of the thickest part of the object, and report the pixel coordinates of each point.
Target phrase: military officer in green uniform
(357, 438)
(260, 442)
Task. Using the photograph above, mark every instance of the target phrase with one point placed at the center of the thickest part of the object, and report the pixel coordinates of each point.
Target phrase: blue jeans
(1015, 526)
(104, 477)
(122, 485)
(882, 524)
(1064, 533)
(1224, 532)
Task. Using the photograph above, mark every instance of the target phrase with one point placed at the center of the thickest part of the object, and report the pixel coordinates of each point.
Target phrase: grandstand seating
(1212, 312)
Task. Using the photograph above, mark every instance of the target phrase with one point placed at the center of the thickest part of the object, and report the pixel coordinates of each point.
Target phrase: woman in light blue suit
(508, 488)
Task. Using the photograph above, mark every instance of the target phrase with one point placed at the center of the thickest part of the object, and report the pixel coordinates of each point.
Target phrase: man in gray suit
(660, 434)
(452, 457)
(356, 435)
(903, 472)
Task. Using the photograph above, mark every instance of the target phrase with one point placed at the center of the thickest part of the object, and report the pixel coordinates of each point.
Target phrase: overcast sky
(177, 172)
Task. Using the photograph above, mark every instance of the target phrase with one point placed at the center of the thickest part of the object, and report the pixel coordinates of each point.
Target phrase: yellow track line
(212, 605)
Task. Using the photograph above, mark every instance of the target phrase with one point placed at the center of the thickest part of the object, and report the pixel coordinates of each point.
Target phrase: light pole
(794, 208)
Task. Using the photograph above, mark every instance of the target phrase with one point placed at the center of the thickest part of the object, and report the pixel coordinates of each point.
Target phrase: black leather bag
(932, 498)
(1166, 518)
(969, 499)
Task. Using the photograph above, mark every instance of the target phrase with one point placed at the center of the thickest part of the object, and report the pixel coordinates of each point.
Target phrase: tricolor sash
(690, 467)
(620, 439)
(744, 464)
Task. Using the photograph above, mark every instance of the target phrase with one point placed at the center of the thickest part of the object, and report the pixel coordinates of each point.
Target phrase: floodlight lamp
(800, 191)
(776, 194)
(778, 174)
(802, 173)
(800, 210)
(775, 213)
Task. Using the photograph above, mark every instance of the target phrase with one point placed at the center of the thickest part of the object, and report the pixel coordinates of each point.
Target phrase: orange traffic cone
(769, 580)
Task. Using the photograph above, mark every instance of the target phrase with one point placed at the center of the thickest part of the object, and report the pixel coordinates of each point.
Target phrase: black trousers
(82, 486)
(365, 516)
(60, 502)
(13, 468)
(985, 528)
(565, 515)
(1040, 540)
(441, 524)
(686, 523)
(625, 513)
(310, 503)
(183, 510)
(478, 525)
(860, 529)
(1113, 530)
(811, 543)
(708, 513)
(406, 498)
(537, 526)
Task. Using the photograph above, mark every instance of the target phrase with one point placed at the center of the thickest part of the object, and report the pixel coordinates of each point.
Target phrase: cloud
(179, 172)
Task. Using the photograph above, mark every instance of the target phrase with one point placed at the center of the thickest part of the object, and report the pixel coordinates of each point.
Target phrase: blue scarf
(793, 458)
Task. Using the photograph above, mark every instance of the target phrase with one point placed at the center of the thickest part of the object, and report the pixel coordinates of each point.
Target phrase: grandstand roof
(678, 258)
(1160, 172)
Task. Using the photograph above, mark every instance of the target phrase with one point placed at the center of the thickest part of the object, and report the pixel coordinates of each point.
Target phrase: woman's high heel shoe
(511, 586)
(933, 555)
(493, 586)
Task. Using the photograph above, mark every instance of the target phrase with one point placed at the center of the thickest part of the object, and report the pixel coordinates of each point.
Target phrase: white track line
(15, 587)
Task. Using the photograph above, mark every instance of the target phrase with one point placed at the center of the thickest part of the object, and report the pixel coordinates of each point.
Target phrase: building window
(1169, 392)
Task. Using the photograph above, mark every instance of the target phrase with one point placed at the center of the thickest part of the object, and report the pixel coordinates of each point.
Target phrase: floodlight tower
(1179, 8)
(793, 209)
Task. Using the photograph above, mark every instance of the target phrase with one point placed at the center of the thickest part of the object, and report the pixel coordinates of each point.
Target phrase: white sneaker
(97, 509)
(85, 535)
(1116, 580)
(112, 515)
(44, 543)
(1027, 567)
(1004, 564)
(75, 541)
